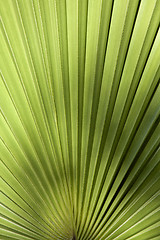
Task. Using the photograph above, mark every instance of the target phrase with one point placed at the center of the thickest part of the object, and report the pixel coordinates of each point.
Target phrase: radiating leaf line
(79, 119)
(44, 213)
(136, 200)
(42, 100)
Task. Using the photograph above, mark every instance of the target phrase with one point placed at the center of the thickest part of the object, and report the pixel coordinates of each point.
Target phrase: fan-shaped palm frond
(80, 119)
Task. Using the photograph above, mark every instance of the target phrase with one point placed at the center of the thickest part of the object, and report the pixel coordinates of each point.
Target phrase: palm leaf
(80, 119)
